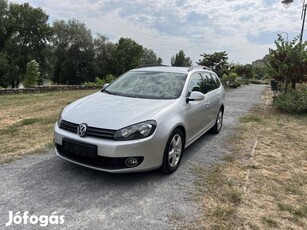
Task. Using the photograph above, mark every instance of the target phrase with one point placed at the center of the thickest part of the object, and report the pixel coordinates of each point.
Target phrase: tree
(24, 36)
(180, 59)
(288, 62)
(104, 51)
(73, 53)
(150, 57)
(218, 62)
(3, 22)
(32, 74)
(128, 55)
(244, 71)
(259, 71)
(4, 68)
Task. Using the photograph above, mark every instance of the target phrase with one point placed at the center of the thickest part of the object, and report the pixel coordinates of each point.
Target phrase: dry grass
(26, 121)
(262, 184)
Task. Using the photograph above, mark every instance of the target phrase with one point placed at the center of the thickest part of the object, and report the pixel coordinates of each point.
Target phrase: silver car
(142, 121)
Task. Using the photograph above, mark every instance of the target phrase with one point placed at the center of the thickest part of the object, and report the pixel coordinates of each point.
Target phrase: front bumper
(112, 154)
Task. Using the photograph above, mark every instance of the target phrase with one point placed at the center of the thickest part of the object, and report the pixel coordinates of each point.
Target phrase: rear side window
(216, 79)
(209, 82)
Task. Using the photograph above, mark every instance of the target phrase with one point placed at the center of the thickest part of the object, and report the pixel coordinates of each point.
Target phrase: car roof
(171, 69)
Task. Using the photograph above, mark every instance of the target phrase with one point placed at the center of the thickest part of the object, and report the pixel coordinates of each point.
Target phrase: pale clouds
(243, 28)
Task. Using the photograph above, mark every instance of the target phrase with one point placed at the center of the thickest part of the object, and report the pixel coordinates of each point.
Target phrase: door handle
(207, 104)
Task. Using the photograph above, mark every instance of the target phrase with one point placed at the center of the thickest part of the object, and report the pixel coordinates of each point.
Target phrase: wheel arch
(182, 129)
(222, 107)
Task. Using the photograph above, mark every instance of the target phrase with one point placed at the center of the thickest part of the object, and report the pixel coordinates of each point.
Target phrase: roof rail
(198, 67)
(149, 65)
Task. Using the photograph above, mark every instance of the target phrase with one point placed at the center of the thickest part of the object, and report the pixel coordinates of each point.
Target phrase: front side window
(198, 83)
(154, 85)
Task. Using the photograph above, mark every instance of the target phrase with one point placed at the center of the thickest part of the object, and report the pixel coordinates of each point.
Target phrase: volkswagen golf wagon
(142, 121)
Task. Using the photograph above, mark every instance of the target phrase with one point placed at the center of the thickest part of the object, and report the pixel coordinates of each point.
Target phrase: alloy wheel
(175, 150)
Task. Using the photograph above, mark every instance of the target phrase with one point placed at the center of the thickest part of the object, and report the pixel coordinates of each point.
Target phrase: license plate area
(80, 149)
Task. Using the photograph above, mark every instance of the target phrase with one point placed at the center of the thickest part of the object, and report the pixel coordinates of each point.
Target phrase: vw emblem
(81, 131)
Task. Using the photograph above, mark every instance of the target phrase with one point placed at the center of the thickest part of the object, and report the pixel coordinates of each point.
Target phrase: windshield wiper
(111, 93)
(108, 92)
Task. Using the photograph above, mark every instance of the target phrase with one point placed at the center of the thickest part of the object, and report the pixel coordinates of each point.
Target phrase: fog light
(131, 162)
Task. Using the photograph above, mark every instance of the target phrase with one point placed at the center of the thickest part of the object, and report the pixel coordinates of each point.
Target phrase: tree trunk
(293, 85)
(286, 84)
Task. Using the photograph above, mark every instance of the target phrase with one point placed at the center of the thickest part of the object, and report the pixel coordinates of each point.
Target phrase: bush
(294, 102)
(109, 78)
(232, 77)
(229, 78)
(97, 82)
(100, 82)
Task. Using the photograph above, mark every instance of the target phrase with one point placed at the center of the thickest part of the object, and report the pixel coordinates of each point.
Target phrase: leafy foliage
(181, 60)
(67, 52)
(244, 71)
(294, 102)
(100, 82)
(218, 62)
(103, 50)
(288, 62)
(74, 53)
(230, 77)
(127, 55)
(150, 57)
(230, 80)
(24, 37)
(32, 74)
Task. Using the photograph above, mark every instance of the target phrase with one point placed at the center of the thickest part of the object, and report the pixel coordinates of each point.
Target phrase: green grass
(29, 121)
(223, 212)
(251, 118)
(269, 222)
(9, 131)
(299, 212)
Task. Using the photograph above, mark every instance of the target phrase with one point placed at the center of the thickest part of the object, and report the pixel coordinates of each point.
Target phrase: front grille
(99, 161)
(90, 131)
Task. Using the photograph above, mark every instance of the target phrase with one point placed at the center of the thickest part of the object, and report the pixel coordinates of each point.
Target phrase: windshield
(155, 85)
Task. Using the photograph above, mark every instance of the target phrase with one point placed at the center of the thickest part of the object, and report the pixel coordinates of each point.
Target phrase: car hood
(106, 111)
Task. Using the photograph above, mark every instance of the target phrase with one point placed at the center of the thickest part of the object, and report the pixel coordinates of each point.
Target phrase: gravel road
(88, 199)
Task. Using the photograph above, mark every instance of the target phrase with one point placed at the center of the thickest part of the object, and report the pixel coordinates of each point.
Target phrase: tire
(218, 123)
(173, 152)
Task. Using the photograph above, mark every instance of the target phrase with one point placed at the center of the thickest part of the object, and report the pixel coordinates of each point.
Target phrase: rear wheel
(218, 123)
(173, 152)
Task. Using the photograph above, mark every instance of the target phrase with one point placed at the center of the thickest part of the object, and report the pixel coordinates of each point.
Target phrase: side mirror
(195, 96)
(105, 86)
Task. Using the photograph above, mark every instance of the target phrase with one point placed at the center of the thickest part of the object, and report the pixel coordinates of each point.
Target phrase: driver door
(197, 119)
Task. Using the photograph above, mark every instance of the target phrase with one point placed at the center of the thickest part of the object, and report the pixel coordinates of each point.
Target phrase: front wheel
(173, 152)
(218, 123)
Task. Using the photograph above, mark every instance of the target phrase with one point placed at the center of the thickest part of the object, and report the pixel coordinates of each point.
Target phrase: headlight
(136, 131)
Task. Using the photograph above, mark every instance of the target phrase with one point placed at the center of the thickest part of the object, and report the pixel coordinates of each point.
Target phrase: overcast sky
(245, 29)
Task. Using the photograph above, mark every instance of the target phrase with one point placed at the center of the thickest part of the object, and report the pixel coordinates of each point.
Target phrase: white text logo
(42, 220)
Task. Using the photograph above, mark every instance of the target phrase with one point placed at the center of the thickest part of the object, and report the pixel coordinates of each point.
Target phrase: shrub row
(293, 102)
